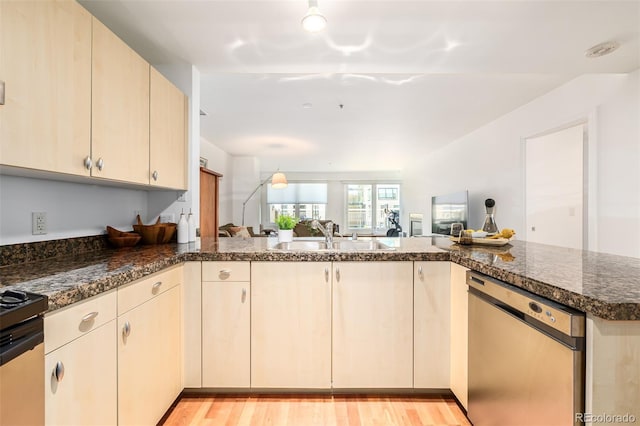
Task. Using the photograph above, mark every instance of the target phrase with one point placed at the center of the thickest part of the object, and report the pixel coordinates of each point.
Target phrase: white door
(554, 188)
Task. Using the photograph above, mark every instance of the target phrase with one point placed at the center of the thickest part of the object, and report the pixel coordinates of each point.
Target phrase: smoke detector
(602, 49)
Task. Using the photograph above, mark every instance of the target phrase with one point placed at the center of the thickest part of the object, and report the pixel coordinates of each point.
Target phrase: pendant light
(314, 21)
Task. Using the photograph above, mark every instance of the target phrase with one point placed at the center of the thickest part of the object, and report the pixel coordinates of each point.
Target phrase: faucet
(327, 230)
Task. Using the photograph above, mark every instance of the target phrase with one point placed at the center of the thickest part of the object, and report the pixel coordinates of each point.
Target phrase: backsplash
(15, 254)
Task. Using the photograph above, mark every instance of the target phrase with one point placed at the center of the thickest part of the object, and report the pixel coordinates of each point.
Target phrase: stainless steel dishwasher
(526, 357)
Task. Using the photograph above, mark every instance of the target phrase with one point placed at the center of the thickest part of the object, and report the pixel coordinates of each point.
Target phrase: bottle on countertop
(183, 229)
(191, 222)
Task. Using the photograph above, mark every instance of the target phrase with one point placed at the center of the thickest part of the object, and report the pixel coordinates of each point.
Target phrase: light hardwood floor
(278, 410)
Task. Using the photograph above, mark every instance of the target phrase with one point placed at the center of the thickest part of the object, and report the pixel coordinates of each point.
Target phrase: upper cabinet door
(168, 134)
(45, 62)
(120, 109)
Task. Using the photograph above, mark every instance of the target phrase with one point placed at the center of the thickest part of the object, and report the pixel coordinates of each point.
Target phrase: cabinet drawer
(226, 271)
(67, 324)
(138, 292)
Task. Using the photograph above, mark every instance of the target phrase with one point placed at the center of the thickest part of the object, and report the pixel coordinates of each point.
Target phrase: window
(368, 206)
(302, 200)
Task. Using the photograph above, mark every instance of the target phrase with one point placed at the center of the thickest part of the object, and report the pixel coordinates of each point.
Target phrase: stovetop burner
(11, 298)
(17, 306)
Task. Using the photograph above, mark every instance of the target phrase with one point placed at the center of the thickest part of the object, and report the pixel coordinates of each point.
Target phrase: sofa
(302, 229)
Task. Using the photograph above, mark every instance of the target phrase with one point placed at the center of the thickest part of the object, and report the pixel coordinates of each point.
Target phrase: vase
(285, 235)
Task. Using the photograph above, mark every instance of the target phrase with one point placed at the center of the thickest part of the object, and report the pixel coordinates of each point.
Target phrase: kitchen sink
(347, 245)
(365, 245)
(302, 245)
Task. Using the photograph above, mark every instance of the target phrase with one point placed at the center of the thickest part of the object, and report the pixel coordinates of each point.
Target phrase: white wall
(73, 209)
(488, 162)
(220, 162)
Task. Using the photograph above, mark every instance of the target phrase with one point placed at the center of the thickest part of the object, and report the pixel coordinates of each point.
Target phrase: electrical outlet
(182, 197)
(167, 218)
(38, 223)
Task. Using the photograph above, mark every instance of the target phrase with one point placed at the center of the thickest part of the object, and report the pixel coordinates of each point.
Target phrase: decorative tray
(484, 241)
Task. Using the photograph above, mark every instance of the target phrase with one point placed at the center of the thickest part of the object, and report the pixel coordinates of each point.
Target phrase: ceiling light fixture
(602, 49)
(314, 21)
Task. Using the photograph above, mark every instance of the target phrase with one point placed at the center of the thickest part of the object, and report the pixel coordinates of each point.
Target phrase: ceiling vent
(602, 49)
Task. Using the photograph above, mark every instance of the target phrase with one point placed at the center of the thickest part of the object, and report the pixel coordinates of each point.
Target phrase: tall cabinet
(431, 324)
(291, 325)
(373, 325)
(149, 347)
(45, 64)
(459, 333)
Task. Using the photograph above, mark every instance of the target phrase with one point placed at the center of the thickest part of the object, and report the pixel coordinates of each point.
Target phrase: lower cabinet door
(373, 325)
(84, 390)
(149, 359)
(225, 334)
(291, 325)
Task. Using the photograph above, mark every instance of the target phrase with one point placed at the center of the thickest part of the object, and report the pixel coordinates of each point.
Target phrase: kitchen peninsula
(603, 286)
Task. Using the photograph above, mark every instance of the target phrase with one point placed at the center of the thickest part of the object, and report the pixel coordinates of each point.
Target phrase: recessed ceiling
(412, 75)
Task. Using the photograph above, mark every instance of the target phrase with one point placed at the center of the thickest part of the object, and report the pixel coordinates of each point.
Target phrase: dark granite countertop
(603, 285)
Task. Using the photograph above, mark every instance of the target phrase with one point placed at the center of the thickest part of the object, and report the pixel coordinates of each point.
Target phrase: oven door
(22, 389)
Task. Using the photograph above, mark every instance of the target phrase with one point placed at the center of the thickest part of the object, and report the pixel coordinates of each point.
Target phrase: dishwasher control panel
(562, 318)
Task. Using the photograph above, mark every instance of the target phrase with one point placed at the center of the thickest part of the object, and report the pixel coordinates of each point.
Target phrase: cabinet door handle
(1, 92)
(58, 371)
(156, 286)
(88, 164)
(100, 164)
(90, 316)
(326, 274)
(155, 175)
(420, 273)
(338, 274)
(244, 295)
(126, 329)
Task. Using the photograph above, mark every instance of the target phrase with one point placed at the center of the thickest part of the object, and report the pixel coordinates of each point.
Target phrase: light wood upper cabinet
(373, 325)
(167, 133)
(431, 324)
(45, 62)
(119, 109)
(291, 325)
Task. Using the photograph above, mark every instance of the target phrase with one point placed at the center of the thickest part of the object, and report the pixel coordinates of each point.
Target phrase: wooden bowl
(129, 240)
(158, 233)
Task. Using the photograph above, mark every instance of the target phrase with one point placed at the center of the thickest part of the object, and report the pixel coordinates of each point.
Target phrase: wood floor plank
(309, 410)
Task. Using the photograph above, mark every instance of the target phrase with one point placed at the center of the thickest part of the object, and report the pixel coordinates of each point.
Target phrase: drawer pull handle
(225, 273)
(244, 295)
(90, 316)
(126, 329)
(326, 274)
(338, 274)
(58, 371)
(156, 286)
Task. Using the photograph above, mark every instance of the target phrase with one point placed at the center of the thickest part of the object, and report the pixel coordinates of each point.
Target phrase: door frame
(589, 175)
